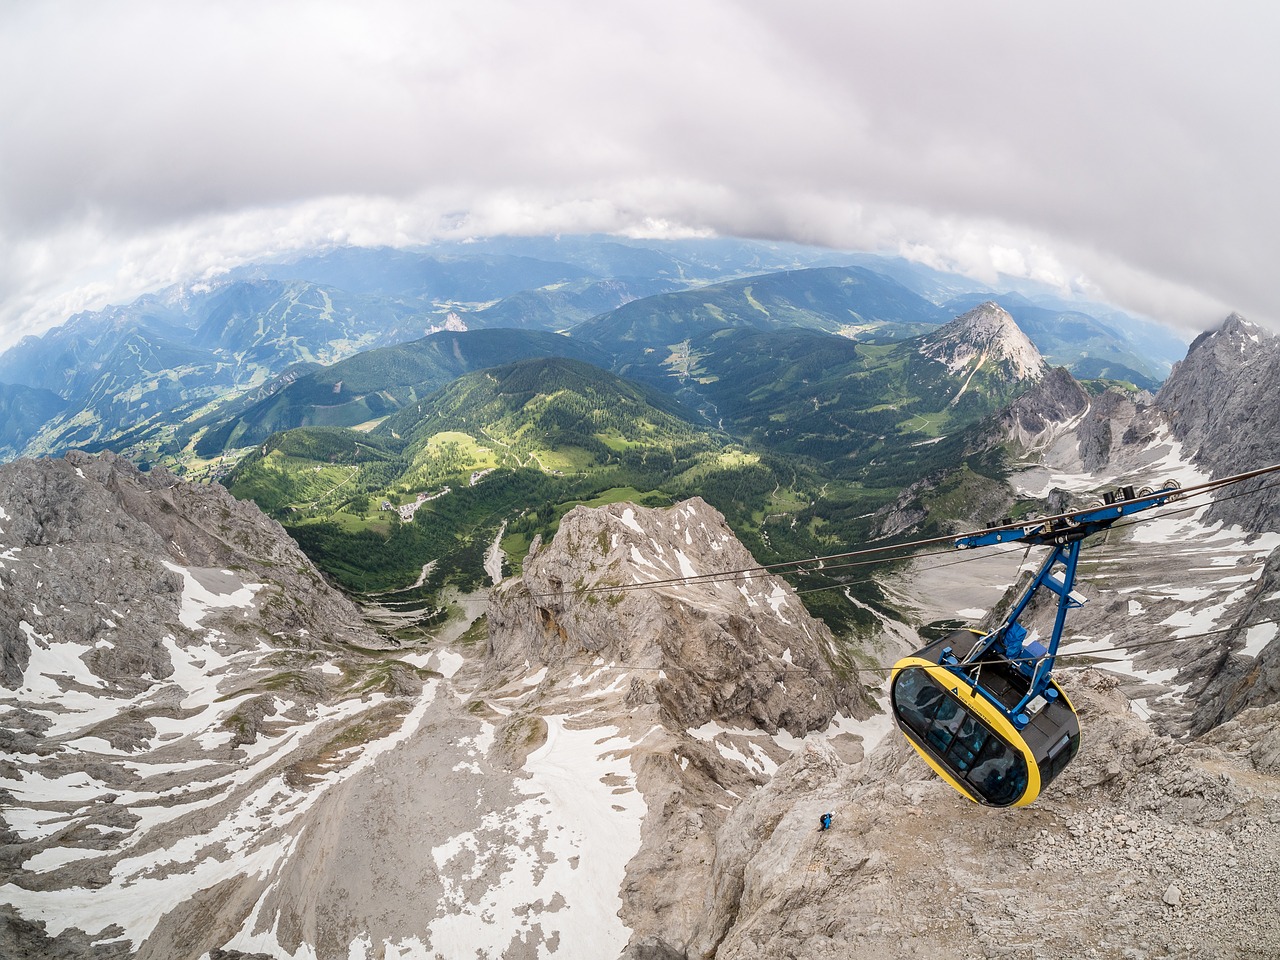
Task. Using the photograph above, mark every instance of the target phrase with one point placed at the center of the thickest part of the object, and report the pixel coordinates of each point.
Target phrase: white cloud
(1124, 148)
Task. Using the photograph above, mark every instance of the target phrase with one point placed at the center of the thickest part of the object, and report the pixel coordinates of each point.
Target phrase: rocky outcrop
(1220, 403)
(1253, 736)
(1116, 419)
(1241, 669)
(660, 624)
(674, 592)
(980, 498)
(114, 544)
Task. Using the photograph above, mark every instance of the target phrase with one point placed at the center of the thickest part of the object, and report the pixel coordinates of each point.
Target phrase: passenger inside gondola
(995, 772)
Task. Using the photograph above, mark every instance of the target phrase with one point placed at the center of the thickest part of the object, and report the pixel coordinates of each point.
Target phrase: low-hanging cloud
(1122, 151)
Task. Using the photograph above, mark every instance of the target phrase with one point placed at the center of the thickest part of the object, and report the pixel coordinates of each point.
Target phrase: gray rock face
(1220, 402)
(742, 651)
(985, 498)
(105, 548)
(1242, 668)
(713, 679)
(1116, 419)
(1033, 418)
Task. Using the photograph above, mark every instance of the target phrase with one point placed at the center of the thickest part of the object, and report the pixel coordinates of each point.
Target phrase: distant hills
(850, 301)
(131, 375)
(796, 389)
(378, 382)
(23, 410)
(550, 402)
(156, 377)
(796, 435)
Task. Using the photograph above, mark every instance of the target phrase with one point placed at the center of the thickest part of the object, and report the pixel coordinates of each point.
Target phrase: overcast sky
(1123, 149)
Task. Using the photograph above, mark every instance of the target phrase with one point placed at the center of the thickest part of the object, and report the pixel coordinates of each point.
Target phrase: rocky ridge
(1145, 848)
(740, 650)
(1220, 404)
(1035, 418)
(716, 680)
(1201, 582)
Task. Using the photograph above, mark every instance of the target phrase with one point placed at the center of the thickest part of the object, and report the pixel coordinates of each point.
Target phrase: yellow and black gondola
(968, 739)
(983, 709)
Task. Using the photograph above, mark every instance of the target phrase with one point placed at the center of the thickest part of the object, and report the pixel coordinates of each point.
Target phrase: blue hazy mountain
(420, 276)
(850, 301)
(23, 411)
(149, 377)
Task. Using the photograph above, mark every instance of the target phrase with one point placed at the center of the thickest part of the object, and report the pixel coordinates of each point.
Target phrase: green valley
(797, 390)
(814, 434)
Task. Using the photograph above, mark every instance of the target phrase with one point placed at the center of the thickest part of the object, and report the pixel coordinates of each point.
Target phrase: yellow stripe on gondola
(982, 709)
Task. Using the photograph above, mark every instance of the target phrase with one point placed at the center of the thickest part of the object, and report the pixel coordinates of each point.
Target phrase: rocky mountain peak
(1220, 404)
(1035, 417)
(629, 585)
(1236, 336)
(125, 553)
(985, 336)
(1237, 325)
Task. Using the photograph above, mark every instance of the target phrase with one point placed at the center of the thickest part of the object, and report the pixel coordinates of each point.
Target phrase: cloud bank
(1120, 150)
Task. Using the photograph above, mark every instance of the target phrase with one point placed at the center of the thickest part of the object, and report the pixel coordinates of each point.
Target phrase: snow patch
(573, 837)
(686, 568)
(198, 599)
(628, 519)
(639, 559)
(775, 600)
(1257, 637)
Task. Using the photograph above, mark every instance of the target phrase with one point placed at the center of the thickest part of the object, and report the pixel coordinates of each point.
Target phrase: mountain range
(639, 743)
(532, 617)
(811, 434)
(151, 377)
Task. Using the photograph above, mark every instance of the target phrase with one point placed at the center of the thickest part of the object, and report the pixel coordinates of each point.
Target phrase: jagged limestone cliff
(738, 649)
(1220, 403)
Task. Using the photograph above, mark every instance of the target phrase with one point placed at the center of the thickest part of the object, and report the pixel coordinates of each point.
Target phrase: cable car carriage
(983, 710)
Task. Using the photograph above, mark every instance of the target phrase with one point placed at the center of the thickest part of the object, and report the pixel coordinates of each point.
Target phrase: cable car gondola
(983, 709)
(961, 724)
